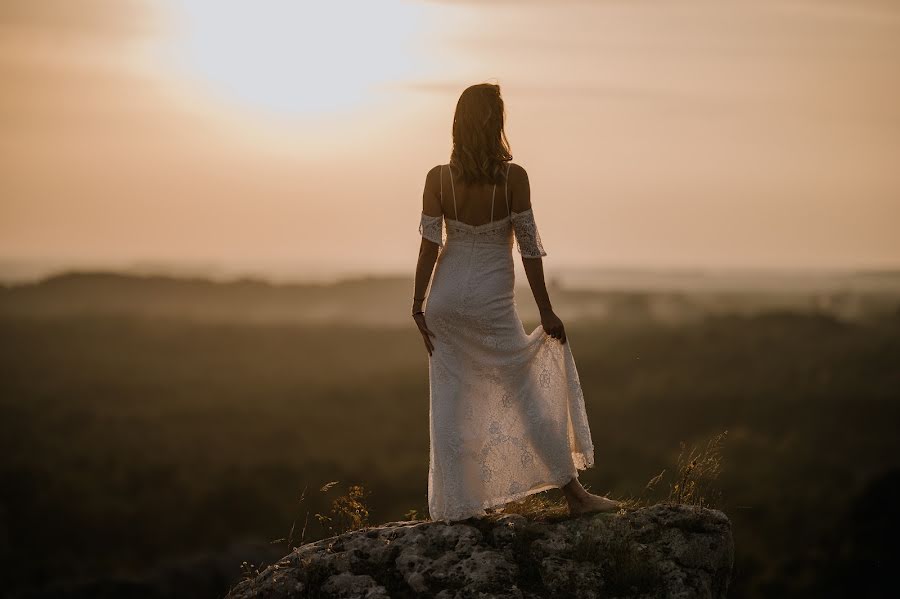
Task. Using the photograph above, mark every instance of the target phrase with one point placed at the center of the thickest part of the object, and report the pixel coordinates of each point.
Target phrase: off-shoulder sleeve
(527, 237)
(431, 228)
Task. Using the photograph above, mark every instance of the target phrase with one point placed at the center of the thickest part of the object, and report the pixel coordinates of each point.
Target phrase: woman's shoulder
(519, 188)
(516, 171)
(433, 177)
(436, 172)
(518, 176)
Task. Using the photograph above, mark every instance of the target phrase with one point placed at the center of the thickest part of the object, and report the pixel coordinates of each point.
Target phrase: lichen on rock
(661, 551)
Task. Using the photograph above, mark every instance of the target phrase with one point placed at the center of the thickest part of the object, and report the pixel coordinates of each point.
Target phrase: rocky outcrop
(672, 551)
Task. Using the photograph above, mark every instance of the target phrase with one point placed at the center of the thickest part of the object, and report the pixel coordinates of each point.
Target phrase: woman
(507, 413)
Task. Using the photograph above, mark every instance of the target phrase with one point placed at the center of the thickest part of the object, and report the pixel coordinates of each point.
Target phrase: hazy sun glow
(296, 56)
(255, 133)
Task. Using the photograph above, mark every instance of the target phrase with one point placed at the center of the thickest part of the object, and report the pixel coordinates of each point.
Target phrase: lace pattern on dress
(430, 227)
(506, 410)
(528, 239)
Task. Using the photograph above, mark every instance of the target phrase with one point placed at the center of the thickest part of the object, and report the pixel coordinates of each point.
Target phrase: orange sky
(293, 139)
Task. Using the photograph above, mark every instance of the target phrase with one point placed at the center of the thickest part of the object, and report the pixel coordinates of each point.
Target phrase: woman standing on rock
(507, 413)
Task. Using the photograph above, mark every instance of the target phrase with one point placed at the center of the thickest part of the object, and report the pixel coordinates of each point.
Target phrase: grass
(127, 442)
(697, 472)
(539, 507)
(348, 512)
(694, 480)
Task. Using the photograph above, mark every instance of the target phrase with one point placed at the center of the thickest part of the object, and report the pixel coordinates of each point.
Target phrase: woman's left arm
(428, 253)
(430, 228)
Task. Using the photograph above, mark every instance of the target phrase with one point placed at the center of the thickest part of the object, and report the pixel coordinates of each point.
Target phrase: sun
(296, 56)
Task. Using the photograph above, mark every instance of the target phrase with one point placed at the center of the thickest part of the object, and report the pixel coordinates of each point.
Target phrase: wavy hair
(480, 147)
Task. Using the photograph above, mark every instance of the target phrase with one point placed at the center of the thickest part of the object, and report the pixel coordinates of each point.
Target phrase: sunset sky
(292, 138)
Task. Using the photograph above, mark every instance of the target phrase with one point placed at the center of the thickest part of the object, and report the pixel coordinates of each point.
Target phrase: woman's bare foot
(582, 502)
(591, 504)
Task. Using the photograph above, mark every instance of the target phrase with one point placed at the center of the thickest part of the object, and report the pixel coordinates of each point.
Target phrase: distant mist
(594, 295)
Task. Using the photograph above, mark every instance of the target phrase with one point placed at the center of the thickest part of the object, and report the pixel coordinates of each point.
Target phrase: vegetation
(694, 481)
(128, 441)
(697, 471)
(348, 512)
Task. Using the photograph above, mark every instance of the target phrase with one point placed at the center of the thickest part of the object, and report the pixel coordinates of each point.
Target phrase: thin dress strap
(492, 202)
(455, 213)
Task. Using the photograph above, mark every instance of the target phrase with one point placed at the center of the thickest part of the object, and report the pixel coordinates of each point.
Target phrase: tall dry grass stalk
(697, 471)
(348, 512)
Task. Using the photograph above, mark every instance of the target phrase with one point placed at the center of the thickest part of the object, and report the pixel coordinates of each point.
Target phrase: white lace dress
(507, 412)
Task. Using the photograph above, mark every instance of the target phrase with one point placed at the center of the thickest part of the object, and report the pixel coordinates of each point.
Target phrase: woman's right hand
(426, 332)
(553, 326)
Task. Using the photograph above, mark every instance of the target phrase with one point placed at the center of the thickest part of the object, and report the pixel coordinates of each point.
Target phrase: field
(168, 446)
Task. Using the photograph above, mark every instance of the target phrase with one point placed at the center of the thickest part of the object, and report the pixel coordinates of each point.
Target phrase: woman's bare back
(473, 202)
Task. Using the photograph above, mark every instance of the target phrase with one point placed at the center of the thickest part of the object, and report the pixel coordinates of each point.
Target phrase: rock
(671, 551)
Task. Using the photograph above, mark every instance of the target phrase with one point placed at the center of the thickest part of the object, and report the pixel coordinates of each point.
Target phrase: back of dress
(507, 413)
